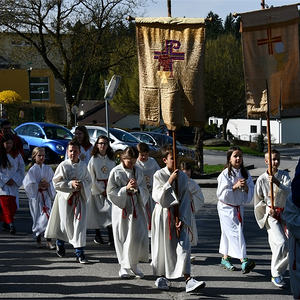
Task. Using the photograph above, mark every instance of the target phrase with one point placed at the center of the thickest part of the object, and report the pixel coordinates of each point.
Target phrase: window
(253, 128)
(39, 88)
(33, 131)
(264, 129)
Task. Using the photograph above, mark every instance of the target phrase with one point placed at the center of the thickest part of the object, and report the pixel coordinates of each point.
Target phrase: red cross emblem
(269, 41)
(167, 57)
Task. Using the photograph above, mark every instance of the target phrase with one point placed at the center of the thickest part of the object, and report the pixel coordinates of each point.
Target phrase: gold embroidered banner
(170, 54)
(271, 54)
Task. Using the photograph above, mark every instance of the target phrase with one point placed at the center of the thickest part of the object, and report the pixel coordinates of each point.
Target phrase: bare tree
(72, 36)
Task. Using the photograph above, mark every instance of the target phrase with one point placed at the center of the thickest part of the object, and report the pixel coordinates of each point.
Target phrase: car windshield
(123, 136)
(57, 133)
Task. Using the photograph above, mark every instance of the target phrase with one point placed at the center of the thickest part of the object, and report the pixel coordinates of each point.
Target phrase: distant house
(93, 113)
(23, 70)
(283, 130)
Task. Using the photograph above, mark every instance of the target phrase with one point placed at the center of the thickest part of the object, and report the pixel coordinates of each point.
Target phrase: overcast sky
(200, 8)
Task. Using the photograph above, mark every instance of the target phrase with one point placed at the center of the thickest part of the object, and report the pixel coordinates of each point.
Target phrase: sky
(200, 8)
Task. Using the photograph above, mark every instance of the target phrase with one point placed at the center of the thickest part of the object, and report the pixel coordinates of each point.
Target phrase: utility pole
(263, 5)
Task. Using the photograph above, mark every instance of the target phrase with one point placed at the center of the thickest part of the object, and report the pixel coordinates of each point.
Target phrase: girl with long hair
(40, 192)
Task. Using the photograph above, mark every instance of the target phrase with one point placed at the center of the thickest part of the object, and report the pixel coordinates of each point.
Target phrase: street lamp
(110, 91)
(29, 80)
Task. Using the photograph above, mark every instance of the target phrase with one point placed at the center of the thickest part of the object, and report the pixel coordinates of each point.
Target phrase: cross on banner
(269, 41)
(166, 58)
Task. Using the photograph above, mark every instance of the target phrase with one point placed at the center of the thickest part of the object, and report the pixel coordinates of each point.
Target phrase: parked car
(159, 139)
(54, 138)
(119, 138)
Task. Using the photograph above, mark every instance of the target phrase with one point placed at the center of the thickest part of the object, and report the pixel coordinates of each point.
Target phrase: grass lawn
(246, 150)
(208, 169)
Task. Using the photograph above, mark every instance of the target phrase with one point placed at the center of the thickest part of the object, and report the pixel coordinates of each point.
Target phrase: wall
(290, 133)
(17, 80)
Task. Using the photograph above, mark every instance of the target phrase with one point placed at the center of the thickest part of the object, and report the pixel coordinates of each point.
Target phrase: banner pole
(269, 147)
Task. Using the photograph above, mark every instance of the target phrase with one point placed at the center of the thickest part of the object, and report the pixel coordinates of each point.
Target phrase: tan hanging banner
(170, 54)
(271, 54)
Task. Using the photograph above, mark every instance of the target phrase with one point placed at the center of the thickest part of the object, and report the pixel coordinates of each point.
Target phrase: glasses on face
(101, 143)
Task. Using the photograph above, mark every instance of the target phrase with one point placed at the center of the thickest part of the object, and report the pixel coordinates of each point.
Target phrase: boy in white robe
(68, 218)
(170, 244)
(272, 219)
(40, 192)
(291, 216)
(149, 166)
(128, 193)
(235, 189)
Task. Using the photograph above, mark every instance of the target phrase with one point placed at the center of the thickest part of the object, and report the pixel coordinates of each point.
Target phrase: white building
(283, 130)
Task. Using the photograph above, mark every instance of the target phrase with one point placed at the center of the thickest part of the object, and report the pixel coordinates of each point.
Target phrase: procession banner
(170, 55)
(271, 59)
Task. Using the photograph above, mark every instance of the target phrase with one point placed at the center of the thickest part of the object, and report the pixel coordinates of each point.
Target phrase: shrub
(9, 96)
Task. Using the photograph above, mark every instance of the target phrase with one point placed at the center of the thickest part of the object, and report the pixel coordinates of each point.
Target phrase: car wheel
(50, 157)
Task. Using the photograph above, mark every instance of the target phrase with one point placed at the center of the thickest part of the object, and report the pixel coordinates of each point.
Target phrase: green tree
(224, 79)
(72, 36)
(214, 26)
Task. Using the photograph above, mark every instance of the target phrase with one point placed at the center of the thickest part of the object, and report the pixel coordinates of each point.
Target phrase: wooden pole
(169, 8)
(263, 5)
(269, 147)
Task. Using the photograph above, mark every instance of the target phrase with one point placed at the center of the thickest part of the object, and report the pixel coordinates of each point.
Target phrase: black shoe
(60, 251)
(12, 229)
(98, 239)
(82, 259)
(5, 227)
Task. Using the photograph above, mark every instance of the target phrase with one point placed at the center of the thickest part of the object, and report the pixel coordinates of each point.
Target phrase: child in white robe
(170, 243)
(128, 193)
(68, 217)
(82, 136)
(149, 166)
(99, 208)
(272, 219)
(12, 171)
(291, 216)
(40, 192)
(197, 201)
(235, 189)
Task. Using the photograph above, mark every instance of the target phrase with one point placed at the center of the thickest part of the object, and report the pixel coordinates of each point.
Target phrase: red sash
(77, 206)
(105, 183)
(238, 210)
(45, 208)
(124, 211)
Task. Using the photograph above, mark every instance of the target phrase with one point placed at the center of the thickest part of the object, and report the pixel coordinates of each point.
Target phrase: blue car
(54, 138)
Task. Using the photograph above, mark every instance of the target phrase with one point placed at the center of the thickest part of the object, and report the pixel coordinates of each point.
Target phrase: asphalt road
(27, 272)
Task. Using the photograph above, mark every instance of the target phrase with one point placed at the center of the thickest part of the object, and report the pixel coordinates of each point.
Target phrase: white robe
(99, 208)
(276, 230)
(170, 255)
(149, 167)
(68, 218)
(130, 232)
(85, 155)
(291, 216)
(232, 241)
(16, 172)
(197, 201)
(40, 202)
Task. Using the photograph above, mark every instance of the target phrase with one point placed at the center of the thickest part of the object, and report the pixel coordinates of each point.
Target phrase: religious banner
(271, 59)
(170, 54)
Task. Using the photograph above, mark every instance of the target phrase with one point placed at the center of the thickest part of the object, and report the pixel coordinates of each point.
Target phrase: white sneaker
(278, 281)
(193, 285)
(162, 283)
(137, 272)
(193, 258)
(124, 273)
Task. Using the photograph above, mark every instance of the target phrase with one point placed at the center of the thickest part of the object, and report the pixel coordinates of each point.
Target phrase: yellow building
(22, 69)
